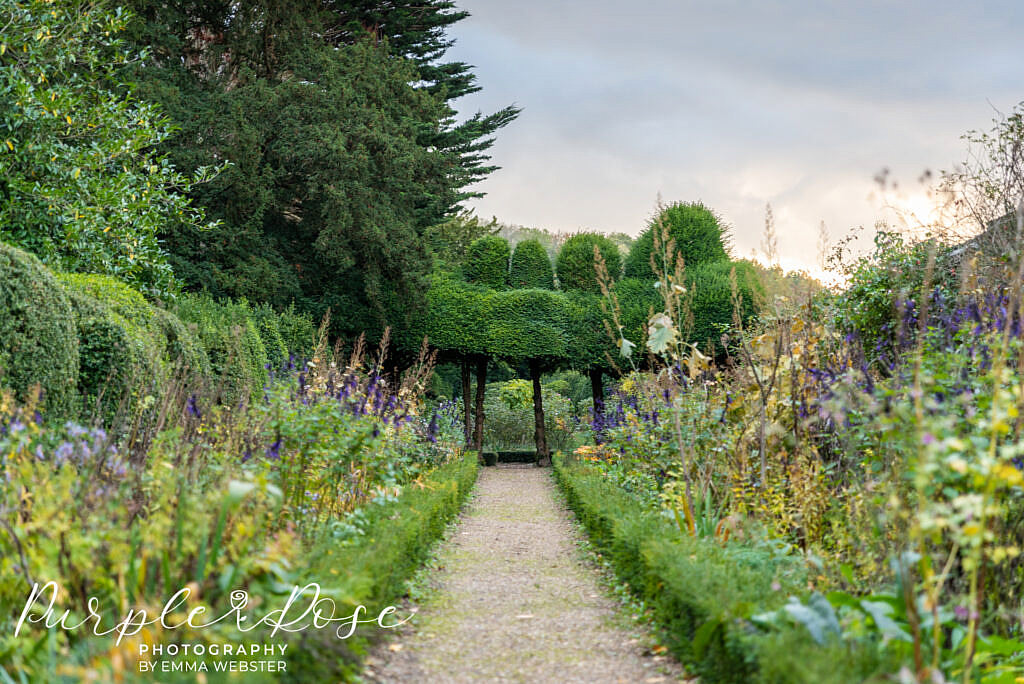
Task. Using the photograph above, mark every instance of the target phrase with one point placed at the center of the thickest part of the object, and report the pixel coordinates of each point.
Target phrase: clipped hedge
(699, 237)
(38, 344)
(575, 263)
(712, 299)
(269, 327)
(525, 324)
(531, 267)
(297, 331)
(487, 262)
(373, 569)
(229, 333)
(702, 593)
(111, 362)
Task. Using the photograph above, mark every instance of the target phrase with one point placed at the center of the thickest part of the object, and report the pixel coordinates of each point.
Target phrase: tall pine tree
(339, 122)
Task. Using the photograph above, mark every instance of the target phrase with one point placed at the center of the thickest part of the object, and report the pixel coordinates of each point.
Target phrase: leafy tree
(80, 183)
(576, 261)
(698, 234)
(337, 119)
(487, 262)
(531, 267)
(450, 240)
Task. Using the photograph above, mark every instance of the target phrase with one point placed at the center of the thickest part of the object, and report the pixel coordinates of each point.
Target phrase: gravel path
(516, 601)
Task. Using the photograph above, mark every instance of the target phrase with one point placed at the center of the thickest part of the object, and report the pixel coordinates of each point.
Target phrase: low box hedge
(702, 592)
(372, 569)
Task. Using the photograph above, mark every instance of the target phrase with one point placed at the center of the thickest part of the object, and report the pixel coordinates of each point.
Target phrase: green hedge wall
(575, 263)
(229, 333)
(698, 234)
(531, 267)
(702, 593)
(38, 344)
(373, 569)
(712, 299)
(487, 262)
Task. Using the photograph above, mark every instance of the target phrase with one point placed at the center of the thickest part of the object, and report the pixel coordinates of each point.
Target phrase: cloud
(733, 103)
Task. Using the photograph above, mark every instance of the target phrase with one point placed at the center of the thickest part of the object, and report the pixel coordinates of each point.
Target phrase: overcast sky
(732, 103)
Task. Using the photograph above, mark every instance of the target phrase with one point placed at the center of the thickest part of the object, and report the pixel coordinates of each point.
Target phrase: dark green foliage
(38, 343)
(342, 154)
(576, 261)
(268, 326)
(588, 338)
(377, 565)
(455, 318)
(184, 350)
(330, 190)
(637, 300)
(531, 267)
(111, 362)
(698, 233)
(525, 324)
(450, 240)
(232, 341)
(82, 184)
(701, 593)
(487, 262)
(712, 304)
(297, 331)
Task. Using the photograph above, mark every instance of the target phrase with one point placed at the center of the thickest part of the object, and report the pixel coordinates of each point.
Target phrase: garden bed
(702, 593)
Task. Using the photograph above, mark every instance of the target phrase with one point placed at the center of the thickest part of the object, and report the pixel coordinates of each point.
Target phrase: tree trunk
(539, 436)
(481, 390)
(467, 403)
(597, 388)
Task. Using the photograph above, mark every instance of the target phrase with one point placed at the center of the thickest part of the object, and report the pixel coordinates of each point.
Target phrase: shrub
(268, 326)
(712, 304)
(297, 331)
(38, 342)
(487, 262)
(232, 341)
(111, 361)
(703, 593)
(576, 261)
(531, 267)
(184, 349)
(637, 299)
(588, 339)
(524, 324)
(698, 234)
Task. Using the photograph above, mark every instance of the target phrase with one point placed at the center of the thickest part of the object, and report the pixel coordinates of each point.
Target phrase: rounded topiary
(712, 301)
(38, 341)
(637, 300)
(698, 234)
(531, 266)
(111, 362)
(575, 261)
(487, 262)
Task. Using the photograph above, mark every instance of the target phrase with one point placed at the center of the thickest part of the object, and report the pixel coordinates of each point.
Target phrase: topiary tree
(531, 266)
(589, 344)
(38, 340)
(698, 234)
(712, 302)
(576, 261)
(487, 262)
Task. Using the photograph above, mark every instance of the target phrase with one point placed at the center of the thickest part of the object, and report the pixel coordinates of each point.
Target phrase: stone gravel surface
(516, 601)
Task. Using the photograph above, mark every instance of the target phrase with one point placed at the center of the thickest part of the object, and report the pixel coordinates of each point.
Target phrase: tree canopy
(576, 265)
(698, 234)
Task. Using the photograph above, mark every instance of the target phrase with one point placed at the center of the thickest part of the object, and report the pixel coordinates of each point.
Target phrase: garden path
(515, 601)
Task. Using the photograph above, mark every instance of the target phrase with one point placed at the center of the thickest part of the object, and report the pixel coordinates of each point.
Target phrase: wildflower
(274, 450)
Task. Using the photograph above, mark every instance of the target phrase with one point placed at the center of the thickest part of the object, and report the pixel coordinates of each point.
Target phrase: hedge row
(702, 593)
(95, 346)
(373, 569)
